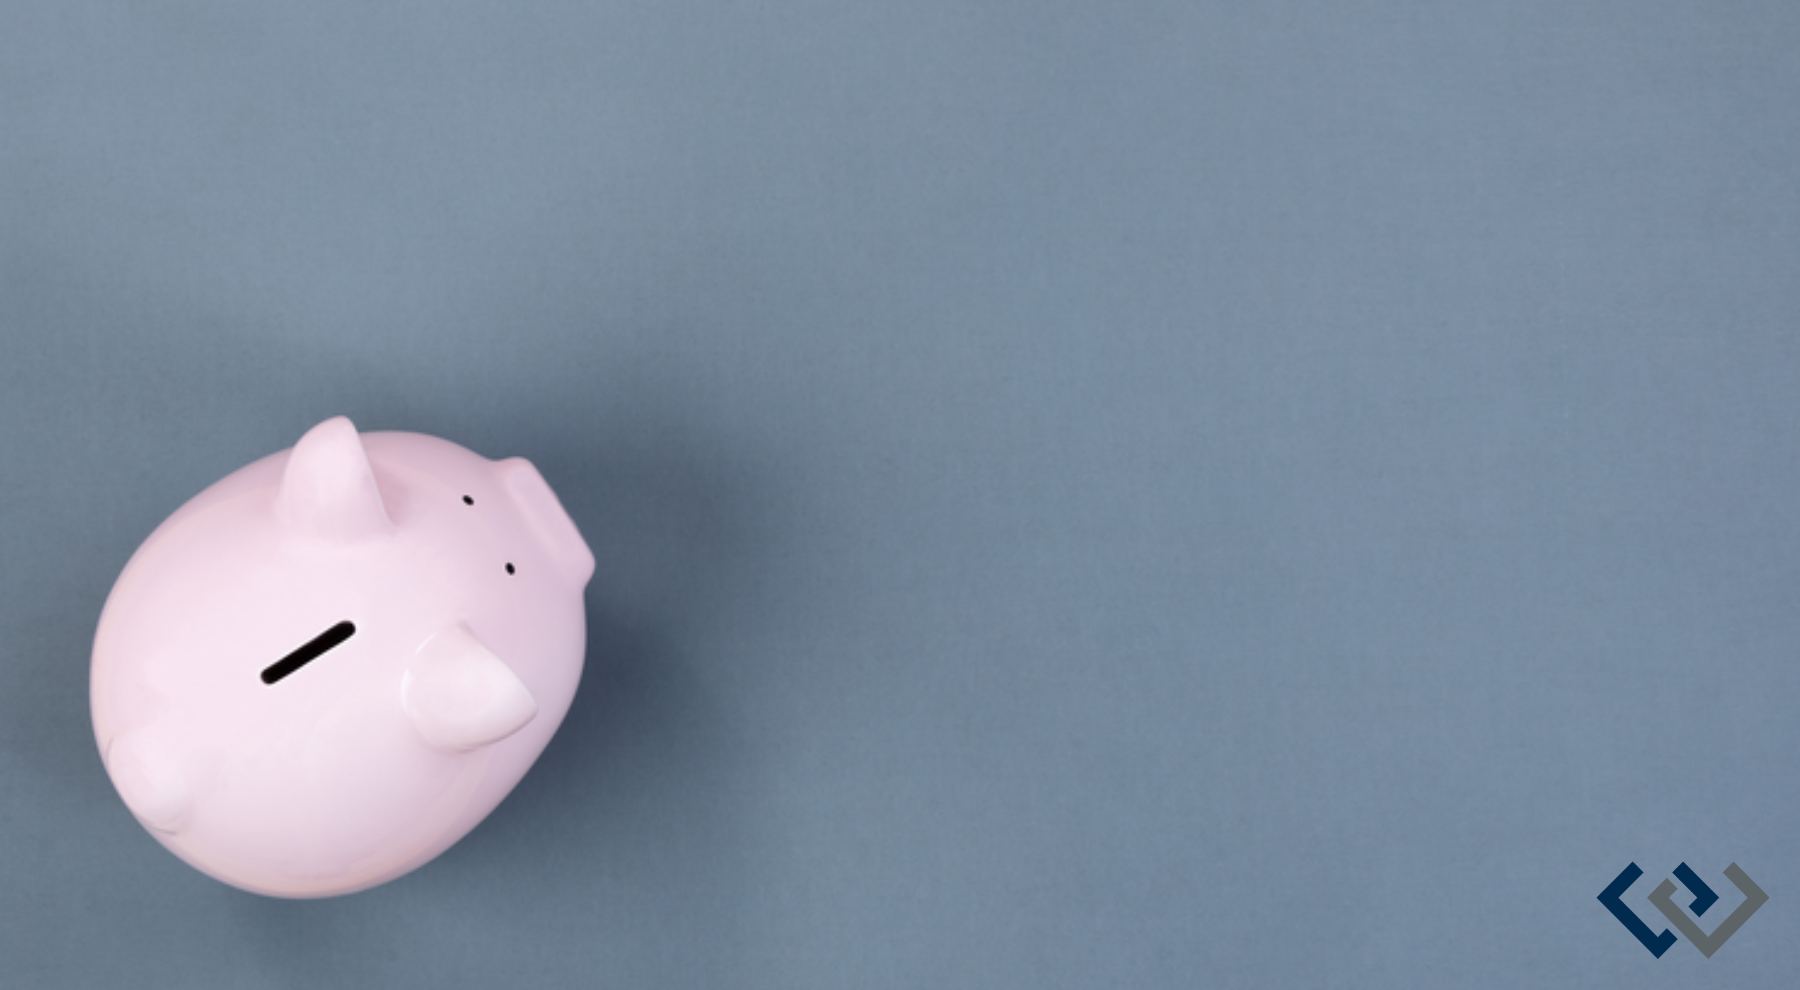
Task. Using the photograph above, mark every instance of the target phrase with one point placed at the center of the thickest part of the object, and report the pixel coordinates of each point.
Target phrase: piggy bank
(328, 667)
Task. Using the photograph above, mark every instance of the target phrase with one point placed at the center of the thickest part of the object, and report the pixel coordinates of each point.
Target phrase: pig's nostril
(312, 650)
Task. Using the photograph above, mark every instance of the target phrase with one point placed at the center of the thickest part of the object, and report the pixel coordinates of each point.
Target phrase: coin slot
(312, 650)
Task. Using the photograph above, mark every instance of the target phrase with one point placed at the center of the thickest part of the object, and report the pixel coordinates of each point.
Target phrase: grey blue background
(1140, 494)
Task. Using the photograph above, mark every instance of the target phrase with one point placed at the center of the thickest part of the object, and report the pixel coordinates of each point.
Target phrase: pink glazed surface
(462, 578)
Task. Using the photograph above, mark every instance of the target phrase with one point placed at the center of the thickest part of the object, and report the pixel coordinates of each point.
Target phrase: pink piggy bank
(328, 667)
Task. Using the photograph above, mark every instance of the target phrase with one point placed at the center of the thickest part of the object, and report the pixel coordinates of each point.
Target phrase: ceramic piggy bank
(328, 667)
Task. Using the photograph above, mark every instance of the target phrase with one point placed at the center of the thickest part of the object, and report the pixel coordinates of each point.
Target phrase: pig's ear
(459, 695)
(150, 779)
(327, 490)
(547, 519)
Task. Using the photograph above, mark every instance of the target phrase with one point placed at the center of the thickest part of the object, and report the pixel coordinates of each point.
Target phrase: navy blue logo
(1703, 899)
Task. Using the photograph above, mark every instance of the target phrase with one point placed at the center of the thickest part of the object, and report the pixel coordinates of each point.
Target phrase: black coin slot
(312, 650)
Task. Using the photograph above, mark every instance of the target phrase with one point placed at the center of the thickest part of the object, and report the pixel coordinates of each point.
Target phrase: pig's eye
(309, 651)
(510, 569)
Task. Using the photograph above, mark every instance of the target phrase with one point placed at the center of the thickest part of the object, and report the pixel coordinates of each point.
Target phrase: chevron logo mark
(1662, 899)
